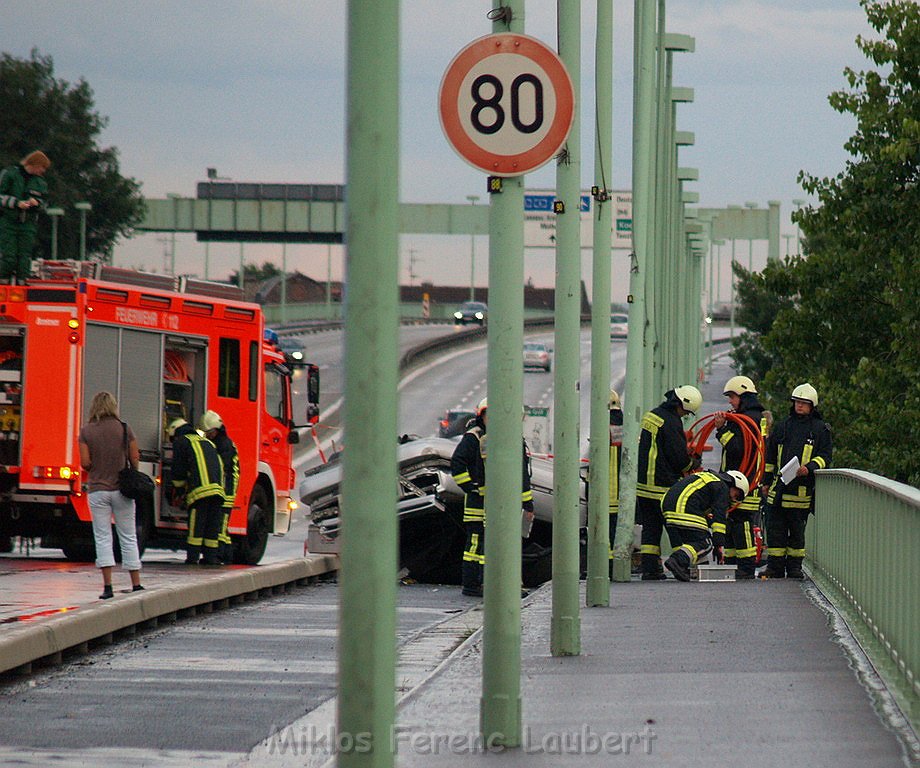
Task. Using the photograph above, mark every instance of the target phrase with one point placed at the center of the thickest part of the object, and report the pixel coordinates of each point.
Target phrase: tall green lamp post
(55, 214)
(83, 207)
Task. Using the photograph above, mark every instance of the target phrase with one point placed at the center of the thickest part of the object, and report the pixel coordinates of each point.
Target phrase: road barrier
(862, 550)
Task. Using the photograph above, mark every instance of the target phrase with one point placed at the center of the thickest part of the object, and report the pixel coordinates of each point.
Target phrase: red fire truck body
(165, 347)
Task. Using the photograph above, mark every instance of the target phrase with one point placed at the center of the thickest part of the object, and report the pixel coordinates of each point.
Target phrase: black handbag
(132, 482)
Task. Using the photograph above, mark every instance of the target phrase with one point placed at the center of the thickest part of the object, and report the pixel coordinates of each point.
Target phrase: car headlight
(458, 315)
(479, 315)
(298, 355)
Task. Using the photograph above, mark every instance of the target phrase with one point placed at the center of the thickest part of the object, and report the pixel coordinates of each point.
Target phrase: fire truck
(166, 347)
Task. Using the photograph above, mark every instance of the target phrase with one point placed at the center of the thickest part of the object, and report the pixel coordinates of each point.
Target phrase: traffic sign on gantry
(506, 104)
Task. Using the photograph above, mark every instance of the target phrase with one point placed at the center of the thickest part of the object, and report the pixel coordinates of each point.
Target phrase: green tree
(42, 112)
(851, 326)
(254, 274)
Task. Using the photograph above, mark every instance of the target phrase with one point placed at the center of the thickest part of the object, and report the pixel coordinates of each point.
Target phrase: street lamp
(83, 207)
(473, 200)
(798, 203)
(55, 214)
(787, 238)
(751, 206)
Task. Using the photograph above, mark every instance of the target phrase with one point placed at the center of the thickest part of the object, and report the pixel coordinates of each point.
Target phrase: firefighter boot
(192, 554)
(679, 565)
(745, 568)
(651, 568)
(794, 568)
(776, 567)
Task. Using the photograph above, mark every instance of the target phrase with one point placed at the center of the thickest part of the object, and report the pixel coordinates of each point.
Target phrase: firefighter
(616, 449)
(468, 467)
(694, 510)
(197, 479)
(804, 435)
(213, 427)
(22, 196)
(740, 546)
(663, 459)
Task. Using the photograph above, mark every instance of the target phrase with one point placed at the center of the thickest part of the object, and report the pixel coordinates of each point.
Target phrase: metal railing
(864, 546)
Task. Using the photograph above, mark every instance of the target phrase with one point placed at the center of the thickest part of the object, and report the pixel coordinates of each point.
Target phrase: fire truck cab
(165, 347)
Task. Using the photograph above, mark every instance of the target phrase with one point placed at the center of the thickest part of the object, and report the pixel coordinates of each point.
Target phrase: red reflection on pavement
(38, 615)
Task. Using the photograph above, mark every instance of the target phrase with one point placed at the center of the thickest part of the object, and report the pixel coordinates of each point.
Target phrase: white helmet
(613, 404)
(483, 404)
(739, 480)
(738, 385)
(211, 420)
(807, 393)
(174, 425)
(690, 398)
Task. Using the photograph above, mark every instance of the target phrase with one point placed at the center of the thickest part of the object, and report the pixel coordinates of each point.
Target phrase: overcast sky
(256, 90)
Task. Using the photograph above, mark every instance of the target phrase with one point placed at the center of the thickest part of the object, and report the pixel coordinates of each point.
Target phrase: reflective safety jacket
(616, 453)
(16, 185)
(808, 438)
(732, 439)
(468, 468)
(231, 463)
(663, 454)
(697, 501)
(196, 466)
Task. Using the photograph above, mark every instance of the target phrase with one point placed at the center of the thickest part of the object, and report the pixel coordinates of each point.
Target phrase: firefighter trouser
(16, 242)
(740, 547)
(785, 540)
(690, 545)
(648, 513)
(474, 556)
(203, 529)
(225, 545)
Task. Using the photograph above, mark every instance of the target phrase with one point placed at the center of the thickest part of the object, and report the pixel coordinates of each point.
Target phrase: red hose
(753, 459)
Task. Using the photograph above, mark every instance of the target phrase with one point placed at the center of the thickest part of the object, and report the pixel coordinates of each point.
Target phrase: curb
(74, 629)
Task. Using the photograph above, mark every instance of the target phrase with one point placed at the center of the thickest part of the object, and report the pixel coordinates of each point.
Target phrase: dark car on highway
(471, 312)
(454, 423)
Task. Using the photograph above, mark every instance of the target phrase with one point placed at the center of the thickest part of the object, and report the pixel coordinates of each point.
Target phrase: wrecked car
(430, 512)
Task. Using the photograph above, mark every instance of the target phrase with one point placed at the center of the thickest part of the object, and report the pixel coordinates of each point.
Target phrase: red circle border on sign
(522, 162)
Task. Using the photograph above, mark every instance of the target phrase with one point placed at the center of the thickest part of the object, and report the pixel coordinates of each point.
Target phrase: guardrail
(863, 549)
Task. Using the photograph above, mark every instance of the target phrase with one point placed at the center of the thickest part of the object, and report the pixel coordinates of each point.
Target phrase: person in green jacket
(22, 196)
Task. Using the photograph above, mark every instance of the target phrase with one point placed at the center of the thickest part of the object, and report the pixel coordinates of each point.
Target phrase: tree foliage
(41, 112)
(847, 315)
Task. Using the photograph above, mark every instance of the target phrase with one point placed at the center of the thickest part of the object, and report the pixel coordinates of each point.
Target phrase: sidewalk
(671, 674)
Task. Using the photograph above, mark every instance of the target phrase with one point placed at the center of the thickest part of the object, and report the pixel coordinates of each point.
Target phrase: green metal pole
(597, 587)
(635, 397)
(565, 626)
(329, 281)
(284, 277)
(367, 613)
(500, 707)
(242, 280)
(661, 277)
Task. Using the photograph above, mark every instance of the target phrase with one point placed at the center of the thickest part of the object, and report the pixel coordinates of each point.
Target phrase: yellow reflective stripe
(649, 549)
(686, 522)
(614, 488)
(776, 551)
(527, 495)
(726, 436)
(652, 423)
(211, 543)
(690, 551)
(718, 527)
(748, 539)
(729, 552)
(795, 552)
(751, 502)
(806, 454)
(463, 477)
(819, 460)
(700, 482)
(752, 552)
(650, 491)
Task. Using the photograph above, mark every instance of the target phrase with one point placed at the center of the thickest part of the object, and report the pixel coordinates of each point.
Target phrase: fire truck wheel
(248, 549)
(79, 549)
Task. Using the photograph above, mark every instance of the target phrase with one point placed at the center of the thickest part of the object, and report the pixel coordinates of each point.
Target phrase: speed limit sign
(506, 104)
